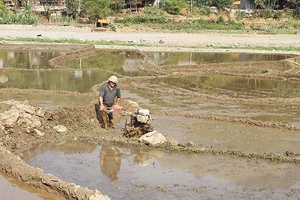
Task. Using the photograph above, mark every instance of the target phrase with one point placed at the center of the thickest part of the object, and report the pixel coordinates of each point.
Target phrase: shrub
(240, 15)
(296, 13)
(266, 13)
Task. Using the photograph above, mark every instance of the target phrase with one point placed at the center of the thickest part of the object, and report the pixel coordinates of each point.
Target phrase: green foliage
(278, 14)
(259, 3)
(141, 20)
(72, 8)
(200, 3)
(219, 24)
(220, 20)
(240, 15)
(204, 10)
(296, 13)
(24, 17)
(175, 7)
(153, 11)
(62, 19)
(221, 4)
(266, 13)
(117, 5)
(96, 8)
(265, 4)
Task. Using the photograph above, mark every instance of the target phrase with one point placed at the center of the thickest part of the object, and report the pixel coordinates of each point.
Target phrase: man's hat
(113, 79)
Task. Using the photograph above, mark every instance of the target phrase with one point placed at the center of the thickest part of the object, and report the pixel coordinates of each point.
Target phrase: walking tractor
(139, 123)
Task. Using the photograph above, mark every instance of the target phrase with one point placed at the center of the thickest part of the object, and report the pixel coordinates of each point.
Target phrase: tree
(48, 7)
(222, 4)
(117, 5)
(96, 8)
(200, 3)
(73, 8)
(269, 4)
(175, 7)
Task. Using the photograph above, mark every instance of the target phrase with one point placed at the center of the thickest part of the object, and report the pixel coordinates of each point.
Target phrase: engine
(139, 123)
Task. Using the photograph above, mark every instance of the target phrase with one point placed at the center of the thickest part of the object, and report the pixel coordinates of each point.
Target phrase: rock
(21, 113)
(99, 196)
(173, 142)
(9, 118)
(39, 133)
(153, 138)
(60, 128)
(190, 144)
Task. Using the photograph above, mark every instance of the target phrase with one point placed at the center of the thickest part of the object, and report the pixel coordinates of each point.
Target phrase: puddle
(222, 135)
(177, 105)
(129, 173)
(231, 86)
(15, 190)
(191, 58)
(126, 61)
(122, 62)
(26, 59)
(79, 80)
(11, 192)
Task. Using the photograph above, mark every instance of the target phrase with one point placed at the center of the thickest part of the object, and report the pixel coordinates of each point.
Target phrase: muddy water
(144, 174)
(188, 58)
(26, 59)
(12, 192)
(232, 86)
(228, 136)
(123, 173)
(11, 189)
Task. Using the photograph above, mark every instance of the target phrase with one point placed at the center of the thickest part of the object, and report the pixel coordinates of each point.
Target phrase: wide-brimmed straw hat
(113, 79)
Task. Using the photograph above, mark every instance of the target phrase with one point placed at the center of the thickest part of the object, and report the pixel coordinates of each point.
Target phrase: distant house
(135, 5)
(40, 5)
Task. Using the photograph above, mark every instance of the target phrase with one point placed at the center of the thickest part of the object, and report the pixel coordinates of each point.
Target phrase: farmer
(109, 97)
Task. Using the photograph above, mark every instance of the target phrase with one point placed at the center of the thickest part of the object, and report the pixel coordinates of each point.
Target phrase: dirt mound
(24, 126)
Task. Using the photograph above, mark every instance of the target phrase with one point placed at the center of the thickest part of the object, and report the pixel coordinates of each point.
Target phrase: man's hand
(102, 108)
(117, 107)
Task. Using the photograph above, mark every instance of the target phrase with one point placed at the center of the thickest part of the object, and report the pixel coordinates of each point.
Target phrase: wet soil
(230, 134)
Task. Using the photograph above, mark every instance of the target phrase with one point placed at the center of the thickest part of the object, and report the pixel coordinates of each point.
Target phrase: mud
(76, 111)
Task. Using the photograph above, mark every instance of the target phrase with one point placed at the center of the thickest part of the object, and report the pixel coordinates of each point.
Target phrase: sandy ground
(150, 39)
(153, 41)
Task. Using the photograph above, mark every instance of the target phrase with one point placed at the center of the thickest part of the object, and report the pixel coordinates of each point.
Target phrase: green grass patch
(261, 48)
(120, 43)
(72, 41)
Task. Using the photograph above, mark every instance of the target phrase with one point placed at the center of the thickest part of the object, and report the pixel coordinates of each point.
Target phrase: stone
(60, 128)
(153, 138)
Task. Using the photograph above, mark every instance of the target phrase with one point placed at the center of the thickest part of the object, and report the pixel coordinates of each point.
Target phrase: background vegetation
(270, 16)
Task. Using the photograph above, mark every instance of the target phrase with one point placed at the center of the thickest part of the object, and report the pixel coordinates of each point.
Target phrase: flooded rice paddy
(251, 114)
(131, 173)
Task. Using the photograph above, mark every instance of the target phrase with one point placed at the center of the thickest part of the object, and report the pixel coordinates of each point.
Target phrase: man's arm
(101, 103)
(117, 100)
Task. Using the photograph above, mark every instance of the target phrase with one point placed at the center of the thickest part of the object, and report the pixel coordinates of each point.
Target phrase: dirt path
(195, 40)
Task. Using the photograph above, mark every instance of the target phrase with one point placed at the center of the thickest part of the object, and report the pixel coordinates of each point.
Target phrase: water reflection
(122, 62)
(127, 62)
(26, 59)
(191, 58)
(80, 81)
(233, 86)
(137, 173)
(110, 161)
